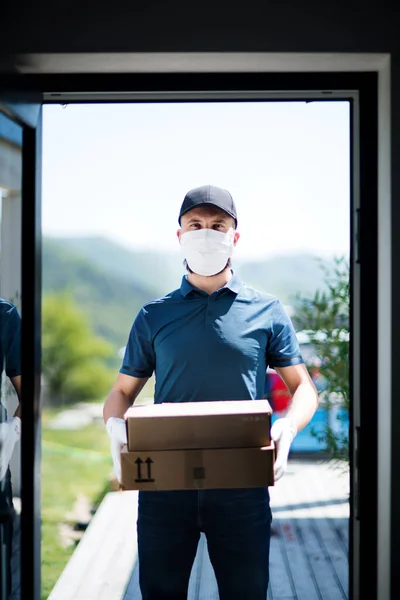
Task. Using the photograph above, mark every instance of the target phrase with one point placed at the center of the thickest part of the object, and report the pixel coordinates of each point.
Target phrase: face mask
(207, 251)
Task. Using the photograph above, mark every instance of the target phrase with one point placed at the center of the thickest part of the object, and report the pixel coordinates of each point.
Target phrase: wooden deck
(309, 544)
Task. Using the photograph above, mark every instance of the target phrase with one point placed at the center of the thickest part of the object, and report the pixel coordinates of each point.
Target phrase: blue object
(10, 338)
(210, 347)
(305, 441)
(10, 131)
(237, 525)
(210, 195)
(10, 344)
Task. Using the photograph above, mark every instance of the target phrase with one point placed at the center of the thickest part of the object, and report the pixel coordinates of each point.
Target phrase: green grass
(74, 462)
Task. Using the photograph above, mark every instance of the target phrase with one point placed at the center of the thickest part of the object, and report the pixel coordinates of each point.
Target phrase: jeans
(237, 525)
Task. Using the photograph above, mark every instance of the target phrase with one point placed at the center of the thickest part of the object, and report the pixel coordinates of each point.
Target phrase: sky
(122, 171)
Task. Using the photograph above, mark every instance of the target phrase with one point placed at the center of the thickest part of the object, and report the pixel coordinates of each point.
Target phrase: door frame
(25, 109)
(369, 76)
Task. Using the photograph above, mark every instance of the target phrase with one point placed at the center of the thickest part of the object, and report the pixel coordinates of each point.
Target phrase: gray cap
(208, 194)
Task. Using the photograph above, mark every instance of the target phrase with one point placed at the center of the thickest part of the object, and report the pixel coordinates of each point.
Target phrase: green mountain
(111, 283)
(110, 302)
(285, 276)
(161, 272)
(157, 272)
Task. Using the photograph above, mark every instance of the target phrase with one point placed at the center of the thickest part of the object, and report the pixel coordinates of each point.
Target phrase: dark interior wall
(212, 26)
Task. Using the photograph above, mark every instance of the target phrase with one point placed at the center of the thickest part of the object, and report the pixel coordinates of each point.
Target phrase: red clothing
(280, 395)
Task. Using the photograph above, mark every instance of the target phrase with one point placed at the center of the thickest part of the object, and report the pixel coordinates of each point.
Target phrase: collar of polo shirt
(234, 285)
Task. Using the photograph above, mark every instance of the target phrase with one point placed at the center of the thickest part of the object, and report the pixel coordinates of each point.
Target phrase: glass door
(20, 288)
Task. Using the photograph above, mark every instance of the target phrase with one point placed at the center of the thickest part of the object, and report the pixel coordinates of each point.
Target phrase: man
(10, 431)
(212, 339)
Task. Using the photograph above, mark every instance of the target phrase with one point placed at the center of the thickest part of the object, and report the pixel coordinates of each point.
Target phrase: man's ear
(178, 234)
(236, 238)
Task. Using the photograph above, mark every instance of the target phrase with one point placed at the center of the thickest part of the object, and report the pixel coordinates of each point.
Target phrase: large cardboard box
(199, 425)
(197, 469)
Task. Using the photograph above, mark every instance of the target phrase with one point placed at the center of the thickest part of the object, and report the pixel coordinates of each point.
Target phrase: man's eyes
(216, 226)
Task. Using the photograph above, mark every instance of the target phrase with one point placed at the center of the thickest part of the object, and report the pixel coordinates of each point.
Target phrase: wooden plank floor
(309, 544)
(102, 564)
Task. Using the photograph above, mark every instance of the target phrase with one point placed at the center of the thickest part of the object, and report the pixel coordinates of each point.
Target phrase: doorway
(367, 192)
(287, 164)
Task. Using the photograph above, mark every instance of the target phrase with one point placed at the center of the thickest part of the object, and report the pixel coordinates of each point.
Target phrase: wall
(254, 26)
(178, 26)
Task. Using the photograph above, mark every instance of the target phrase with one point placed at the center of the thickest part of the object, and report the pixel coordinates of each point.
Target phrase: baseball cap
(208, 194)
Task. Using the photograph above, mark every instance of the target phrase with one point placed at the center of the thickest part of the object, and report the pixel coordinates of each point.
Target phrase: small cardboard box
(194, 425)
(197, 469)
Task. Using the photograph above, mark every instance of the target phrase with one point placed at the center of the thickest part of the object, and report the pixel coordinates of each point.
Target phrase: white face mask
(207, 251)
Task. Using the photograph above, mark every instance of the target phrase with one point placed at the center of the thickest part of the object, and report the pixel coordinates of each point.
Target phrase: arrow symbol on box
(140, 478)
(139, 463)
(149, 463)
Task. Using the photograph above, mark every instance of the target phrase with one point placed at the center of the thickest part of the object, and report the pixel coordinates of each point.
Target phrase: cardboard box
(198, 425)
(197, 469)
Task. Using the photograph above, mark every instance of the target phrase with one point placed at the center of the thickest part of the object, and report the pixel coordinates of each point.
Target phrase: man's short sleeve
(139, 359)
(283, 347)
(12, 342)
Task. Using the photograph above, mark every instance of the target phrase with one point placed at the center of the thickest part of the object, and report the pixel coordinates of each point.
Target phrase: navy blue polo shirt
(210, 347)
(10, 344)
(10, 338)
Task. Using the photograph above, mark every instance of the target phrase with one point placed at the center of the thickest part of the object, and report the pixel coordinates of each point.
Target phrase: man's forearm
(122, 396)
(116, 405)
(303, 405)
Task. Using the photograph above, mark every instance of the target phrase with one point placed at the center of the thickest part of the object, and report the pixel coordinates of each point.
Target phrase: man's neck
(210, 284)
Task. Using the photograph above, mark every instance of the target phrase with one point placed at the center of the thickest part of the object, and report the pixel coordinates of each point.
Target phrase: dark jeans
(237, 525)
(6, 535)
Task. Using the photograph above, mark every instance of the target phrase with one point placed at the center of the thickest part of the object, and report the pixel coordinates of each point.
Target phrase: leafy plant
(74, 359)
(324, 318)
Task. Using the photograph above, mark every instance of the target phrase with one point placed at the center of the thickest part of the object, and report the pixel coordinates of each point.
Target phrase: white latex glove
(116, 429)
(283, 432)
(10, 434)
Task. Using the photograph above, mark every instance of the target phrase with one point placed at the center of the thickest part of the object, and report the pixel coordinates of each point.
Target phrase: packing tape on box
(194, 468)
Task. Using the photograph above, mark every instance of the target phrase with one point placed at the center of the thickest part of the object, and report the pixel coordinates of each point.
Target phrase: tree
(74, 359)
(324, 318)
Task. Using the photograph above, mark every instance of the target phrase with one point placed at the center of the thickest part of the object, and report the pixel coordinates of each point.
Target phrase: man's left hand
(10, 433)
(283, 432)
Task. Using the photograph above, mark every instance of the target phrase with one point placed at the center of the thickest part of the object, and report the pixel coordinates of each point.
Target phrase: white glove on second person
(116, 429)
(10, 434)
(283, 432)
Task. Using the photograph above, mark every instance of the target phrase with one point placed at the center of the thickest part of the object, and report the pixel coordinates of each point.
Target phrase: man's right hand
(116, 429)
(10, 433)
